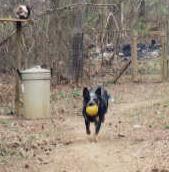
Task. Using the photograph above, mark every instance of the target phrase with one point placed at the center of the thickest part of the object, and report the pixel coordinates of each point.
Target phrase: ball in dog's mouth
(92, 110)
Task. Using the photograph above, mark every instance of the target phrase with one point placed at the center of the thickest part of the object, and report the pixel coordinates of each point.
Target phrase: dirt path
(131, 153)
(91, 157)
(134, 137)
(120, 146)
(82, 154)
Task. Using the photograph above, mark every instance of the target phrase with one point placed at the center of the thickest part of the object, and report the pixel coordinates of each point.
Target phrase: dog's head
(91, 97)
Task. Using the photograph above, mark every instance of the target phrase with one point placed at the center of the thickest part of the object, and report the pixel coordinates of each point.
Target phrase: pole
(134, 58)
(164, 61)
(18, 66)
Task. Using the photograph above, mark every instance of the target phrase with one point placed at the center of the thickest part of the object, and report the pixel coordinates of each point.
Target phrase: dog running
(95, 106)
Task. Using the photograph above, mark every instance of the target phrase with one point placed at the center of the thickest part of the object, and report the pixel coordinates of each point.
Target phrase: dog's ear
(85, 92)
(98, 91)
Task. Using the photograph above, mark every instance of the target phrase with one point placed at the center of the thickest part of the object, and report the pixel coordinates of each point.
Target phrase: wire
(69, 7)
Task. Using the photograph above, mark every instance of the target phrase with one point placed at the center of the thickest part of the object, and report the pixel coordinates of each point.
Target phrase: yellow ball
(92, 110)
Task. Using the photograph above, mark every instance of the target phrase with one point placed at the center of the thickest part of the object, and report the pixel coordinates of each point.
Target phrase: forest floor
(134, 137)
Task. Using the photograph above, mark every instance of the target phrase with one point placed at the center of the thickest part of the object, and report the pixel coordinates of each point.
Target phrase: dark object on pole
(22, 12)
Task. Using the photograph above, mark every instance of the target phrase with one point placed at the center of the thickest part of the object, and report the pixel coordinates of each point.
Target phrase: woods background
(49, 40)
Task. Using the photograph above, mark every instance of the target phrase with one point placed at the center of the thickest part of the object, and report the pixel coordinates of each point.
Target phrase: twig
(124, 68)
(5, 40)
(14, 20)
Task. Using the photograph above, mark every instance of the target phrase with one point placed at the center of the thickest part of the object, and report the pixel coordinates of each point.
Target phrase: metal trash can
(36, 92)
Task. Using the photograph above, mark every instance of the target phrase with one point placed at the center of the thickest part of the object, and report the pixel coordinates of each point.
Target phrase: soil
(134, 137)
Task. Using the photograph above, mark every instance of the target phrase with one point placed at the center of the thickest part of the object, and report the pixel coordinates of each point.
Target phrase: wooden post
(164, 61)
(77, 43)
(122, 14)
(134, 58)
(18, 66)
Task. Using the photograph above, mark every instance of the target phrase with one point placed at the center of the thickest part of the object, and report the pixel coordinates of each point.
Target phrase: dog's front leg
(87, 123)
(98, 125)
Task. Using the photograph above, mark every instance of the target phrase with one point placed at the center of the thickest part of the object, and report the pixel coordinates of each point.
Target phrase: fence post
(164, 61)
(134, 58)
(122, 14)
(18, 66)
(76, 69)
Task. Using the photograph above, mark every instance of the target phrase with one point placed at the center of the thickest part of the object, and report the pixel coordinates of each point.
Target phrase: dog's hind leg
(103, 118)
(87, 123)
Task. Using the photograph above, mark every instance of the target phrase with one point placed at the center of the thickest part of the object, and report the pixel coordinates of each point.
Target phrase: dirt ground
(134, 137)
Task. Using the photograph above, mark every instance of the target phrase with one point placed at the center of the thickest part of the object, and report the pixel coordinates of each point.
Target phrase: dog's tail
(110, 98)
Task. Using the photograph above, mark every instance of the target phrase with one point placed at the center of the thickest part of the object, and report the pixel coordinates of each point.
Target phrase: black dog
(99, 97)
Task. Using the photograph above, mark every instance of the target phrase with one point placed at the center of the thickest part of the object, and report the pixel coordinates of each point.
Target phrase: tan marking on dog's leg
(95, 138)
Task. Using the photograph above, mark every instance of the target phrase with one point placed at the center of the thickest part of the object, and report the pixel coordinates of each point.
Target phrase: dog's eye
(95, 100)
(87, 99)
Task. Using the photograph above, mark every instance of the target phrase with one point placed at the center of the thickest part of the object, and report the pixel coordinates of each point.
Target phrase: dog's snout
(91, 104)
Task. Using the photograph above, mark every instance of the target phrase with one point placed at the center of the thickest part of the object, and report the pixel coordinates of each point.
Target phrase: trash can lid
(36, 73)
(35, 69)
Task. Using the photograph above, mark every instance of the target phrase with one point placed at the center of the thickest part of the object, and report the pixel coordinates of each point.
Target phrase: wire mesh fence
(79, 43)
